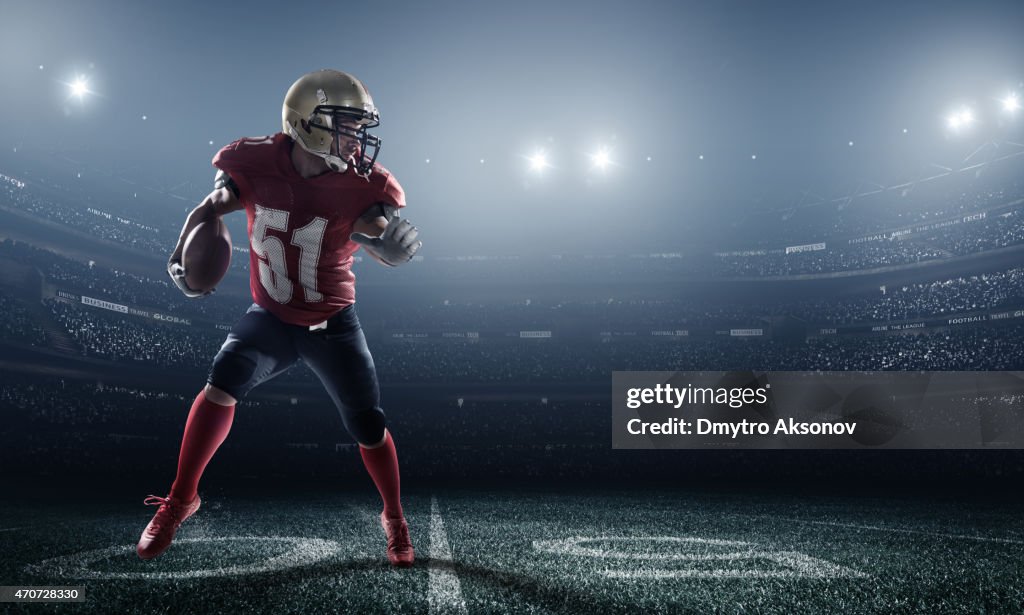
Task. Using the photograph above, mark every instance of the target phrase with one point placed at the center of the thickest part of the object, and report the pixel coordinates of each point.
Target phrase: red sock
(382, 464)
(207, 427)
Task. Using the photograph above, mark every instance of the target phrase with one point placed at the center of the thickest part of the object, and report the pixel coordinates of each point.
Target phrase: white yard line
(907, 531)
(300, 552)
(444, 592)
(10, 529)
(793, 565)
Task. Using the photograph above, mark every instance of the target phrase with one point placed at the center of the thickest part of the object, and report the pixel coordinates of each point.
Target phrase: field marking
(574, 546)
(908, 531)
(444, 592)
(11, 529)
(303, 551)
(799, 565)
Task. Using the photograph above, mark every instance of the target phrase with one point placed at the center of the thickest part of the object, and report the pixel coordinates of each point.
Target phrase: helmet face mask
(328, 113)
(344, 125)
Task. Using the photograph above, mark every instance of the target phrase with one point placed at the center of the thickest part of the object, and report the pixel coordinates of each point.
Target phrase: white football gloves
(395, 246)
(177, 273)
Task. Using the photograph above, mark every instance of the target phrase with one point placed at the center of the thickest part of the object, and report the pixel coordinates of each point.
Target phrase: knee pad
(366, 426)
(233, 372)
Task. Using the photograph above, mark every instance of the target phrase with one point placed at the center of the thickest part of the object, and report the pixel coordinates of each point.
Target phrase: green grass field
(514, 551)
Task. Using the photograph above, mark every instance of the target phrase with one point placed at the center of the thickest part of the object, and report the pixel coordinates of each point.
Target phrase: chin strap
(334, 162)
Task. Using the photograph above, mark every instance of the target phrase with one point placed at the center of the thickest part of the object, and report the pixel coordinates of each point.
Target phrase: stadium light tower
(961, 119)
(538, 161)
(79, 88)
(1011, 103)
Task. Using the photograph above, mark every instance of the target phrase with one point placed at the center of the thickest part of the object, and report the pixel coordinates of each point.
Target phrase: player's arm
(223, 200)
(385, 236)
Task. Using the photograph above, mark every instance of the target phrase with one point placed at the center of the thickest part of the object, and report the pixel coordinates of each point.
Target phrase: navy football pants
(260, 346)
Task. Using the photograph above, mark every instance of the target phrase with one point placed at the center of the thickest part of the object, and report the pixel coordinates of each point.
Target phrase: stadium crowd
(574, 359)
(71, 428)
(875, 209)
(120, 287)
(131, 339)
(97, 223)
(463, 339)
(906, 216)
(533, 361)
(482, 414)
(988, 291)
(17, 325)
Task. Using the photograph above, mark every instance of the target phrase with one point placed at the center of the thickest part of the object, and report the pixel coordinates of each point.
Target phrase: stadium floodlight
(80, 87)
(538, 161)
(1011, 103)
(601, 158)
(961, 119)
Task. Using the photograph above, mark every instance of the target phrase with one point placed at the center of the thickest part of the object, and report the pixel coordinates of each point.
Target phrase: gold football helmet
(326, 109)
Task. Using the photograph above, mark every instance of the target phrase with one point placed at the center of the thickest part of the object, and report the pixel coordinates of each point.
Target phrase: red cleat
(400, 552)
(160, 532)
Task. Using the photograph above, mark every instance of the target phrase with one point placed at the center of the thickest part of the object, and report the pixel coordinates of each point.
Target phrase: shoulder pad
(389, 190)
(246, 155)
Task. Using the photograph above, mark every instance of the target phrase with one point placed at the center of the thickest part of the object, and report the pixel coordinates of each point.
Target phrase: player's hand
(395, 246)
(177, 273)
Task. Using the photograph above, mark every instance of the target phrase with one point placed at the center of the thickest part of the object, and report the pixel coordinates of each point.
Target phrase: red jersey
(300, 255)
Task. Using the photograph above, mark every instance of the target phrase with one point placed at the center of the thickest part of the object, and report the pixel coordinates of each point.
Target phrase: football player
(313, 195)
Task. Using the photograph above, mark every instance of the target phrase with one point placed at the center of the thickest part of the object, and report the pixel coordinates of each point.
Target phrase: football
(206, 255)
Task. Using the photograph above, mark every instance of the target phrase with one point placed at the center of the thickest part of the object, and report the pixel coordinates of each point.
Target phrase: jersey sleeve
(240, 159)
(389, 190)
